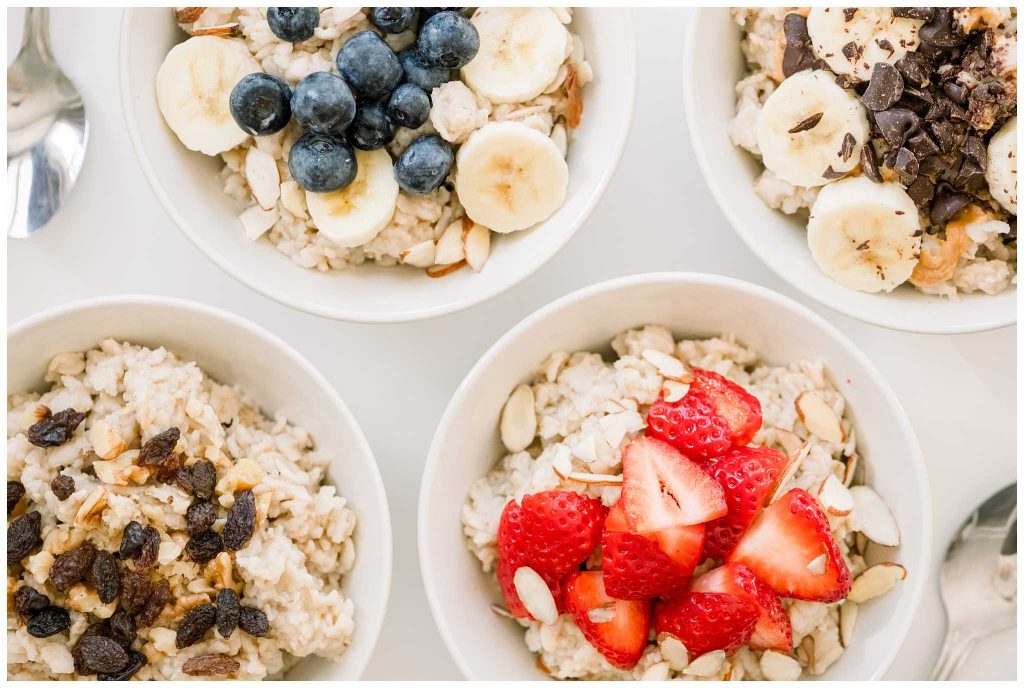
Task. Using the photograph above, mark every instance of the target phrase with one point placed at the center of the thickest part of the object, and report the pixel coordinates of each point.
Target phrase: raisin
(210, 665)
(49, 621)
(101, 655)
(182, 479)
(122, 628)
(204, 477)
(55, 428)
(136, 660)
(204, 547)
(131, 539)
(23, 536)
(194, 625)
(241, 523)
(135, 591)
(27, 600)
(167, 471)
(158, 599)
(104, 577)
(200, 516)
(158, 448)
(146, 555)
(227, 612)
(71, 566)
(63, 486)
(15, 491)
(253, 621)
(100, 628)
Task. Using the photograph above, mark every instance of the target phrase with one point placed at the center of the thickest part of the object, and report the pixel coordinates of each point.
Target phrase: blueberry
(429, 12)
(323, 102)
(293, 24)
(393, 19)
(409, 106)
(424, 165)
(419, 73)
(369, 65)
(322, 163)
(372, 128)
(260, 104)
(448, 40)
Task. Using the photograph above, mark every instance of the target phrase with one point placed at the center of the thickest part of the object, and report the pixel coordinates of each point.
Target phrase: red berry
(622, 636)
(705, 622)
(714, 416)
(773, 630)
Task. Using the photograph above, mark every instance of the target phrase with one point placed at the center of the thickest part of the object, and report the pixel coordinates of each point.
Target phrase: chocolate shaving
(869, 163)
(829, 173)
(852, 51)
(846, 149)
(849, 13)
(884, 44)
(807, 124)
(924, 13)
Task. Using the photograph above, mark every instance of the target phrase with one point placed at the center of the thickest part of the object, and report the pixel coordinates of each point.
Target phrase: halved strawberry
(747, 476)
(618, 629)
(790, 547)
(551, 532)
(662, 489)
(707, 621)
(712, 418)
(773, 630)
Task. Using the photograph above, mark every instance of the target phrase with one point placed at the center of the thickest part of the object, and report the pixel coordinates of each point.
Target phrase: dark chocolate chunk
(895, 124)
(807, 124)
(885, 87)
(956, 91)
(852, 51)
(921, 145)
(921, 191)
(941, 30)
(884, 44)
(949, 135)
(969, 173)
(906, 166)
(947, 203)
(869, 163)
(846, 149)
(924, 13)
(933, 166)
(829, 173)
(915, 68)
(797, 55)
(849, 13)
(974, 148)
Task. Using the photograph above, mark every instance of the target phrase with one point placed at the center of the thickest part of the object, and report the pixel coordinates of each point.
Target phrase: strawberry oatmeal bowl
(338, 159)
(674, 476)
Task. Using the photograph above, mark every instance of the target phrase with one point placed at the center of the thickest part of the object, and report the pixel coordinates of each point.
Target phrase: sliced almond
(187, 15)
(673, 651)
(872, 517)
(707, 665)
(876, 580)
(586, 449)
(562, 462)
(819, 417)
(498, 610)
(847, 620)
(436, 271)
(656, 672)
(449, 247)
(779, 667)
(106, 442)
(850, 471)
(595, 479)
(791, 469)
(675, 390)
(419, 256)
(263, 177)
(669, 366)
(293, 198)
(835, 498)
(807, 650)
(818, 565)
(789, 441)
(476, 244)
(861, 543)
(519, 419)
(614, 428)
(600, 615)
(535, 595)
(222, 30)
(256, 221)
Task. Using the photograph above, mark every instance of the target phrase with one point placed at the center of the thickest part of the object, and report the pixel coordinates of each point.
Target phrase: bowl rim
(494, 353)
(615, 140)
(379, 495)
(739, 225)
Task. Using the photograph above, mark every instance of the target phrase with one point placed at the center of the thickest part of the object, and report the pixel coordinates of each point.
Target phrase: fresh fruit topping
(448, 40)
(618, 629)
(261, 104)
(372, 127)
(409, 106)
(790, 547)
(322, 163)
(663, 489)
(425, 164)
(323, 103)
(854, 45)
(1001, 171)
(747, 476)
(707, 621)
(420, 73)
(355, 214)
(712, 418)
(293, 24)
(370, 66)
(773, 629)
(393, 19)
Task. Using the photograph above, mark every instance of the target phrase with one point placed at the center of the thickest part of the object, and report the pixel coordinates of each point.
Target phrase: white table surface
(114, 238)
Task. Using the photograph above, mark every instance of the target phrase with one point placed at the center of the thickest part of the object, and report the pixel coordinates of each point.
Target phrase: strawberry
(650, 565)
(622, 637)
(714, 416)
(747, 476)
(773, 630)
(663, 489)
(784, 547)
(707, 621)
(552, 533)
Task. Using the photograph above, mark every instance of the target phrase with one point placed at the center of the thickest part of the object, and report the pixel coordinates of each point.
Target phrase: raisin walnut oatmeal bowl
(891, 134)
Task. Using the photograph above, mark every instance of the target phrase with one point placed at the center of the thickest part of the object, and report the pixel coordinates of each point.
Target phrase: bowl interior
(780, 239)
(467, 445)
(279, 381)
(189, 187)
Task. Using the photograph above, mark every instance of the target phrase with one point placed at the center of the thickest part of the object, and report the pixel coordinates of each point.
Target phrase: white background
(113, 238)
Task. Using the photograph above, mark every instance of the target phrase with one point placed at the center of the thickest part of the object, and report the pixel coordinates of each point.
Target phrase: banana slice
(510, 176)
(852, 40)
(192, 89)
(521, 51)
(864, 235)
(811, 130)
(356, 214)
(1001, 173)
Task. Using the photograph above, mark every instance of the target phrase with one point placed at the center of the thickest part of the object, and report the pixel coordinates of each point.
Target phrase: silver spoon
(978, 579)
(46, 131)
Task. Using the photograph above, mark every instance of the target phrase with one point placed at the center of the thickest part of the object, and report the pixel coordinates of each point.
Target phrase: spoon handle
(37, 31)
(955, 649)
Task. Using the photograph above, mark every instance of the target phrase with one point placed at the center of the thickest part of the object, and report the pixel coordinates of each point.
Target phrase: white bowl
(713, 65)
(237, 352)
(189, 187)
(467, 445)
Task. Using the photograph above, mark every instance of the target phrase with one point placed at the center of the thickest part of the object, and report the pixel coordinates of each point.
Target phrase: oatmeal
(387, 135)
(161, 527)
(753, 569)
(893, 132)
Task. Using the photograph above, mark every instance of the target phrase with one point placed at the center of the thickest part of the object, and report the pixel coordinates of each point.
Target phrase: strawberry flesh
(773, 630)
(707, 621)
(622, 638)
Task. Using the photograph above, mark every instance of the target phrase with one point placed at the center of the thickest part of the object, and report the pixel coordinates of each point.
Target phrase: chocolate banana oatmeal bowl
(162, 525)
